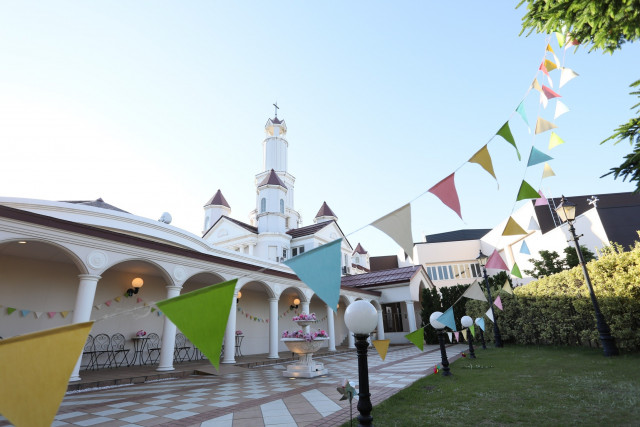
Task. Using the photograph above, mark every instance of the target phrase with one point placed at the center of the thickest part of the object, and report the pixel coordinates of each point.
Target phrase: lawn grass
(522, 385)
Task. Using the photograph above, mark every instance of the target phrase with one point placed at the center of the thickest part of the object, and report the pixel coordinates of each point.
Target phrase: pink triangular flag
(457, 334)
(498, 302)
(139, 300)
(550, 94)
(495, 261)
(542, 200)
(445, 190)
(108, 303)
(543, 68)
(51, 314)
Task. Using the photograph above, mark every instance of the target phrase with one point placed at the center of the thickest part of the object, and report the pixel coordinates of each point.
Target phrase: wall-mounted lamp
(338, 305)
(296, 303)
(239, 296)
(136, 284)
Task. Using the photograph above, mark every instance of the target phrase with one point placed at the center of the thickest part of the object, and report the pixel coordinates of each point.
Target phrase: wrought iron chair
(117, 347)
(181, 349)
(90, 352)
(101, 345)
(153, 346)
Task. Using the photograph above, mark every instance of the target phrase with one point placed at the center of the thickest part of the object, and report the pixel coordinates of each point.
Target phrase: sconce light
(338, 305)
(136, 285)
(239, 296)
(296, 303)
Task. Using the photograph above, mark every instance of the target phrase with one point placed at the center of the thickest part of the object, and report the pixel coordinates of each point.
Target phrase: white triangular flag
(37, 314)
(533, 225)
(474, 292)
(450, 334)
(397, 225)
(566, 74)
(543, 100)
(489, 314)
(560, 109)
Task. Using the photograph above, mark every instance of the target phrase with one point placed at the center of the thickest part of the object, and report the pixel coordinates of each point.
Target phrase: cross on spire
(277, 108)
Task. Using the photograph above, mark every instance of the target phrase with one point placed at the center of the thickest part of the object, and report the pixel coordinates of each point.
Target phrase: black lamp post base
(446, 371)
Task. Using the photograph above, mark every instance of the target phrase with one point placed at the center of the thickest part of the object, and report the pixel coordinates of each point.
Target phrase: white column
(82, 309)
(411, 316)
(230, 333)
(350, 341)
(273, 328)
(331, 329)
(380, 326)
(168, 336)
(305, 309)
(251, 249)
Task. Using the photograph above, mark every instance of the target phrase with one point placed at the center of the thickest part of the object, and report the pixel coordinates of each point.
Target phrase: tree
(604, 25)
(551, 263)
(571, 257)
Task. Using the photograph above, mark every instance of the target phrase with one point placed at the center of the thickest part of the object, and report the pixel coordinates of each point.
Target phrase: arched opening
(252, 317)
(340, 327)
(201, 280)
(287, 308)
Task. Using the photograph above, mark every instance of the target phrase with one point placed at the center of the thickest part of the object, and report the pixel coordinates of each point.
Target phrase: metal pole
(484, 346)
(496, 332)
(364, 401)
(446, 371)
(472, 354)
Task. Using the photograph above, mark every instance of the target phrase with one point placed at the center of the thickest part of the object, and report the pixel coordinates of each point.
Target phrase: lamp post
(433, 319)
(361, 317)
(567, 213)
(482, 260)
(484, 346)
(467, 322)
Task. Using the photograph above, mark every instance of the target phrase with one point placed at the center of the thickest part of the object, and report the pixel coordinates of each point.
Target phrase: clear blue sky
(154, 105)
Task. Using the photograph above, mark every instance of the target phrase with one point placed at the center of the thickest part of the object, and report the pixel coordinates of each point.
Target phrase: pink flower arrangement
(141, 333)
(307, 337)
(304, 316)
(238, 332)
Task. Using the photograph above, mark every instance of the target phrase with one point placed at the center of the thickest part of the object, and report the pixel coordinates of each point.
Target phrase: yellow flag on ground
(35, 370)
(381, 346)
(512, 228)
(483, 158)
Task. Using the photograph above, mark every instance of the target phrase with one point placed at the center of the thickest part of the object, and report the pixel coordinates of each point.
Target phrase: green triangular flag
(516, 270)
(10, 310)
(202, 315)
(417, 338)
(527, 192)
(472, 328)
(505, 132)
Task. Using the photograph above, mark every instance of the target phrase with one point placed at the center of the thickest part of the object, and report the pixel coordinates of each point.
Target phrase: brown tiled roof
(325, 210)
(307, 230)
(359, 249)
(272, 179)
(383, 277)
(218, 199)
(359, 267)
(98, 203)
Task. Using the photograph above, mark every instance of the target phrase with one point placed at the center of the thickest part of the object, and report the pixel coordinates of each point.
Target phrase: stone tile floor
(249, 396)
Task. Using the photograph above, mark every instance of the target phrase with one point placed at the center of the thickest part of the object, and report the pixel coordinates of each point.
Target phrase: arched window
(281, 205)
(357, 260)
(263, 205)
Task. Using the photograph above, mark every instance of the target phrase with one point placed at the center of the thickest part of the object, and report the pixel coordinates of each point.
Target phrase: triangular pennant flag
(533, 225)
(543, 125)
(535, 85)
(489, 314)
(543, 100)
(520, 110)
(25, 312)
(553, 53)
(547, 172)
(554, 141)
(446, 191)
(550, 94)
(548, 48)
(566, 74)
(450, 334)
(507, 286)
(97, 307)
(536, 156)
(560, 109)
(457, 335)
(483, 158)
(572, 42)
(512, 228)
(117, 299)
(543, 68)
(64, 313)
(495, 261)
(464, 334)
(542, 200)
(396, 225)
(139, 300)
(381, 346)
(474, 292)
(153, 309)
(527, 192)
(51, 314)
(524, 249)
(472, 328)
(505, 132)
(417, 338)
(480, 322)
(108, 303)
(549, 65)
(560, 38)
(35, 370)
(202, 315)
(10, 310)
(447, 319)
(515, 271)
(37, 314)
(319, 269)
(498, 302)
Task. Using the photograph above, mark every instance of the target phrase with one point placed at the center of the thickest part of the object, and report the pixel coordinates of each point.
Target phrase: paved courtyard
(249, 397)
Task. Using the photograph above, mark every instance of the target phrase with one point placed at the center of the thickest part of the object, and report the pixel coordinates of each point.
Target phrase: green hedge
(557, 309)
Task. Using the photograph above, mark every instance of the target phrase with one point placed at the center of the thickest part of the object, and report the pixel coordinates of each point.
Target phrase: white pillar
(273, 328)
(331, 329)
(168, 336)
(82, 309)
(350, 341)
(251, 249)
(411, 316)
(305, 309)
(230, 333)
(380, 326)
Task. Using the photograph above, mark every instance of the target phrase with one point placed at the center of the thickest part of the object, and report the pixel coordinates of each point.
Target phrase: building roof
(218, 200)
(325, 210)
(385, 262)
(308, 230)
(457, 235)
(272, 179)
(98, 203)
(359, 249)
(379, 278)
(276, 121)
(244, 225)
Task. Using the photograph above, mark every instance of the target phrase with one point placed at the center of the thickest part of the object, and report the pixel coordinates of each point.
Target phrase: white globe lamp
(361, 317)
(433, 319)
(466, 321)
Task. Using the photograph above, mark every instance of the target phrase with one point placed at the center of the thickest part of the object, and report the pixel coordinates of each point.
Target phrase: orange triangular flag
(381, 346)
(512, 228)
(483, 158)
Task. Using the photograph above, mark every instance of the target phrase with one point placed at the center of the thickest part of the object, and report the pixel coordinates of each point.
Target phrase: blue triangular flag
(537, 156)
(25, 312)
(522, 113)
(480, 322)
(524, 249)
(319, 269)
(447, 319)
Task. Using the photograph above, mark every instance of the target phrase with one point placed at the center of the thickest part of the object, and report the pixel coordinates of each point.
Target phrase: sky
(155, 105)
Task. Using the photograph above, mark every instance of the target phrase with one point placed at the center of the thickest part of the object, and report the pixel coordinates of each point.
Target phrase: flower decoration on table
(304, 316)
(238, 332)
(141, 333)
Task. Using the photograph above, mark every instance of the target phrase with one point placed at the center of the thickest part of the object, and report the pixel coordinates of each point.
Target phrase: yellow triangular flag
(507, 287)
(543, 125)
(547, 172)
(117, 299)
(554, 140)
(483, 158)
(549, 49)
(382, 346)
(464, 334)
(512, 228)
(549, 65)
(35, 370)
(536, 85)
(64, 313)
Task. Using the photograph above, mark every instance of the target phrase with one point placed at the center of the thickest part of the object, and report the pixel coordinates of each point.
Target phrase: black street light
(439, 327)
(482, 260)
(567, 213)
(484, 346)
(467, 322)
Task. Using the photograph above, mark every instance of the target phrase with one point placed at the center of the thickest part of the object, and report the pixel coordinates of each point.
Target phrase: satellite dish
(165, 217)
